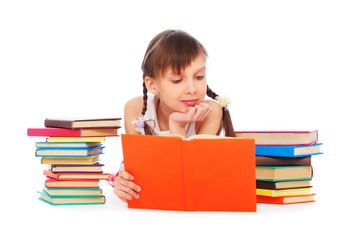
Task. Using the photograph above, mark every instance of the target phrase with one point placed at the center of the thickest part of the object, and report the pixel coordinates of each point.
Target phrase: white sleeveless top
(151, 114)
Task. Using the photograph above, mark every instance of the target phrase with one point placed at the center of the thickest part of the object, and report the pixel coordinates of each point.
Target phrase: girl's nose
(190, 88)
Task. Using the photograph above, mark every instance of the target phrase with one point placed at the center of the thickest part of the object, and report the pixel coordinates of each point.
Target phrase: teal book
(284, 180)
(288, 151)
(73, 192)
(71, 199)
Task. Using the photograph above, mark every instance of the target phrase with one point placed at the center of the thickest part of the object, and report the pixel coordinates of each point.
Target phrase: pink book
(63, 132)
(76, 183)
(48, 179)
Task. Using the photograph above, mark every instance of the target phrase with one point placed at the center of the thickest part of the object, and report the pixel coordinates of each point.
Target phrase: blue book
(68, 148)
(288, 151)
(94, 168)
(69, 152)
(67, 144)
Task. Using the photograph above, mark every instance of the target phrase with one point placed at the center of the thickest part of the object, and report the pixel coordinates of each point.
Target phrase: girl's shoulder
(132, 110)
(135, 104)
(216, 108)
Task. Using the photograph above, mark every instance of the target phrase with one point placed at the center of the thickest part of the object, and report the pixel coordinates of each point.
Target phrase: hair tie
(223, 102)
(139, 123)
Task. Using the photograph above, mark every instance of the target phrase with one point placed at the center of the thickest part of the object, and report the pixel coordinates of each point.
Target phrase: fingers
(202, 111)
(194, 114)
(199, 112)
(125, 175)
(122, 195)
(124, 188)
(127, 183)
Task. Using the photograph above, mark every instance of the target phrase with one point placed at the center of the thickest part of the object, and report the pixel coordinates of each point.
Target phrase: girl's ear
(151, 85)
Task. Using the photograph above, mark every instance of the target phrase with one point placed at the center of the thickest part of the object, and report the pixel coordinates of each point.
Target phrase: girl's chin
(184, 109)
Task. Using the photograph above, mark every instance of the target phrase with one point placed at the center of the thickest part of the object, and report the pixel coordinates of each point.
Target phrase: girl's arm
(124, 187)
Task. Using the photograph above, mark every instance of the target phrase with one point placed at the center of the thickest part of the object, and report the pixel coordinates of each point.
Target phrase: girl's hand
(124, 188)
(178, 121)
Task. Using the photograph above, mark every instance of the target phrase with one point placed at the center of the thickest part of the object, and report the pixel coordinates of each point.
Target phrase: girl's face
(178, 92)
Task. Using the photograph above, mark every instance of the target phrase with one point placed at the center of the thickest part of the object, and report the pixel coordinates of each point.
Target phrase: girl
(174, 72)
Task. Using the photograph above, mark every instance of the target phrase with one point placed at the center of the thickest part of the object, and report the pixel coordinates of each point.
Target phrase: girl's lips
(191, 102)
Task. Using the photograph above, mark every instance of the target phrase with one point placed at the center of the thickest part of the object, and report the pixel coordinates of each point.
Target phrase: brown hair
(175, 49)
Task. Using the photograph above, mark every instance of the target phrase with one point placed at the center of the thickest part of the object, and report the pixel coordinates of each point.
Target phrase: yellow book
(283, 192)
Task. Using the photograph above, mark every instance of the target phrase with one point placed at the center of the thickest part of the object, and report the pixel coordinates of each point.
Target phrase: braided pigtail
(211, 94)
(145, 98)
(226, 116)
(147, 129)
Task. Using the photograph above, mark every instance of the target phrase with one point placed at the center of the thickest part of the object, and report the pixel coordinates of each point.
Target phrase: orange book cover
(216, 174)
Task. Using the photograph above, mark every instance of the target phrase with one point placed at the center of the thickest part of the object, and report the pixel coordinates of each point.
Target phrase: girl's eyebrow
(201, 69)
(171, 74)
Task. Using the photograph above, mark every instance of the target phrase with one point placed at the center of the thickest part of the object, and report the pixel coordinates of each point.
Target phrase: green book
(71, 199)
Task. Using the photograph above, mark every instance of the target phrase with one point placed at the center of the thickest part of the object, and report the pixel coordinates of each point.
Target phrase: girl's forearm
(176, 128)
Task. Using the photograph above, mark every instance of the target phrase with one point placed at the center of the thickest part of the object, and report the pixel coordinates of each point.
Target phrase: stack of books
(72, 152)
(283, 165)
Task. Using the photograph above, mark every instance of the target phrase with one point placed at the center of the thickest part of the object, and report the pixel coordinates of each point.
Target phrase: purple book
(95, 168)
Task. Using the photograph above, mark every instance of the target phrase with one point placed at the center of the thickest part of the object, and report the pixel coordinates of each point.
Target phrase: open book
(194, 174)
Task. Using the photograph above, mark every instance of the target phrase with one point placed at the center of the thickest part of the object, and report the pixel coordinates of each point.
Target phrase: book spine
(59, 124)
(66, 156)
(282, 161)
(70, 148)
(85, 178)
(268, 199)
(265, 192)
(265, 185)
(50, 174)
(284, 180)
(56, 171)
(53, 132)
(275, 151)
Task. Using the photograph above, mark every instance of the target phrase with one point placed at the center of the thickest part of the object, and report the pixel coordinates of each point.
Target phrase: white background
(283, 64)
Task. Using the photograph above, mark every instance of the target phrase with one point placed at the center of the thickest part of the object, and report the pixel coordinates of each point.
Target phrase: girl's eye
(200, 77)
(176, 81)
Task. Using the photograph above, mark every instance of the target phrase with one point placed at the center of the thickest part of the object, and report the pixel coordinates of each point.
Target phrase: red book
(74, 176)
(62, 132)
(286, 199)
(76, 183)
